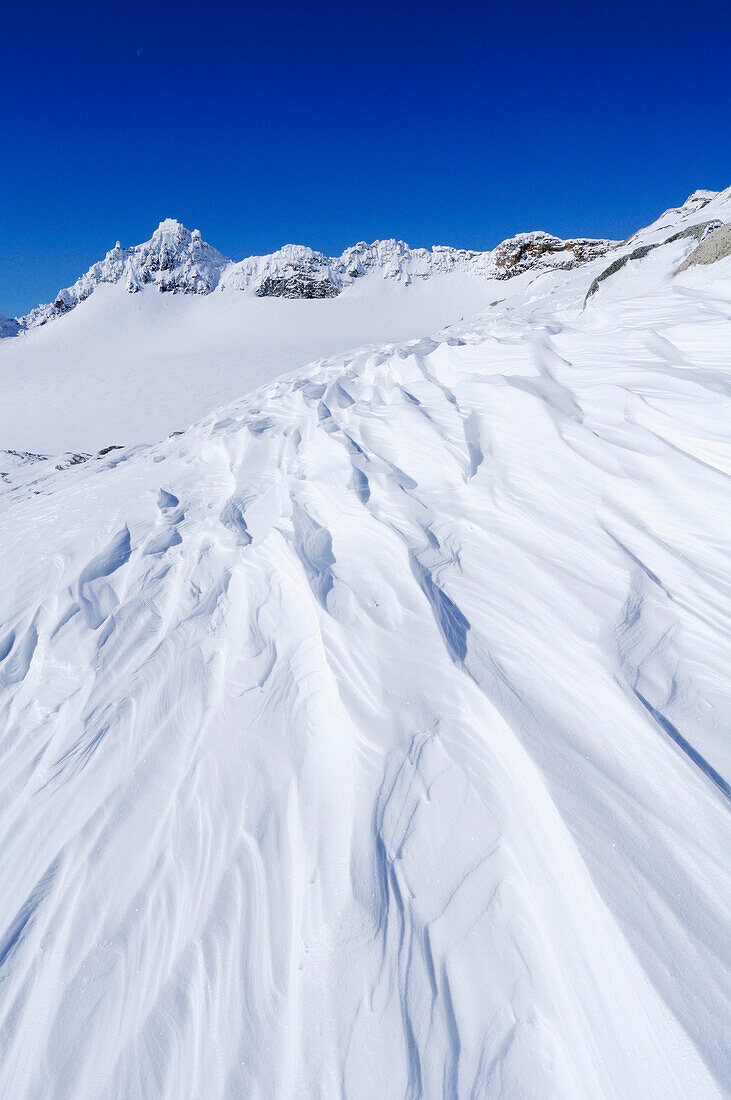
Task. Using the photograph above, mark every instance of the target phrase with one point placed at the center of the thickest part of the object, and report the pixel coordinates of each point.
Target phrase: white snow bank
(127, 368)
(369, 738)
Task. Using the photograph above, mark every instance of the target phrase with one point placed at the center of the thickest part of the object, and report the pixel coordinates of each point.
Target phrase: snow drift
(157, 335)
(369, 737)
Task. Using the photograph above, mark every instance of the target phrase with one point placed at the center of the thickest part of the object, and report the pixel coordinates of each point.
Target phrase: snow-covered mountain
(176, 260)
(369, 738)
(150, 363)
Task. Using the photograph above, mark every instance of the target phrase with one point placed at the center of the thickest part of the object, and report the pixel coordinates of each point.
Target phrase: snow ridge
(299, 272)
(368, 739)
(176, 260)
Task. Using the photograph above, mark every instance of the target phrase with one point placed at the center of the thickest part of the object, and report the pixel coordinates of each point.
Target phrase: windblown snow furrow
(367, 739)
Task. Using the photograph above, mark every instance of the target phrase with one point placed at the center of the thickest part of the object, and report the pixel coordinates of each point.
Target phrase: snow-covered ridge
(174, 259)
(178, 260)
(700, 206)
(299, 272)
(369, 738)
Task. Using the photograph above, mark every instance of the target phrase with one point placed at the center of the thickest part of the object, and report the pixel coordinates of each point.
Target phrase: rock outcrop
(715, 246)
(178, 261)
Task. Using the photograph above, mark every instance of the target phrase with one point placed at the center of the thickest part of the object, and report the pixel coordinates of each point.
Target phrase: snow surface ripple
(369, 738)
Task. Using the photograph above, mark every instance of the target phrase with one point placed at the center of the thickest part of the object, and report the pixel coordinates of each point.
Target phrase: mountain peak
(171, 231)
(178, 260)
(170, 225)
(175, 260)
(700, 197)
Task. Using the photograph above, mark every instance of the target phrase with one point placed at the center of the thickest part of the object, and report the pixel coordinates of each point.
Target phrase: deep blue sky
(330, 123)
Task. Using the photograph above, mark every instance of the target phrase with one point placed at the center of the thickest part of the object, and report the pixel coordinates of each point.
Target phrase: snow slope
(153, 349)
(125, 368)
(369, 738)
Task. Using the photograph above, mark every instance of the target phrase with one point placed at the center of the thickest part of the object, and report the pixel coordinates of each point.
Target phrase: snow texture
(369, 737)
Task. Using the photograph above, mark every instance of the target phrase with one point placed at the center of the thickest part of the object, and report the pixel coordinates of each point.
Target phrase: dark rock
(297, 285)
(698, 231)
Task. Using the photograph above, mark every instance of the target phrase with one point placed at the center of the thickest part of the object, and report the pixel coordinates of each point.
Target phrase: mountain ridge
(178, 260)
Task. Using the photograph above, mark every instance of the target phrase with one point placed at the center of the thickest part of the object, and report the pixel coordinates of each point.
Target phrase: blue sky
(329, 123)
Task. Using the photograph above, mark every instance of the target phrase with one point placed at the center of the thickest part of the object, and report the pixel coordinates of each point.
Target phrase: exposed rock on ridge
(176, 260)
(713, 246)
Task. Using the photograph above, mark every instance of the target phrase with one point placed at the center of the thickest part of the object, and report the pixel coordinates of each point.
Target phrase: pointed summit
(168, 226)
(172, 234)
(175, 260)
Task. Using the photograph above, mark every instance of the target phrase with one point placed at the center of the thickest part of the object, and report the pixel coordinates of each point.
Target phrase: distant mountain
(299, 272)
(173, 260)
(177, 260)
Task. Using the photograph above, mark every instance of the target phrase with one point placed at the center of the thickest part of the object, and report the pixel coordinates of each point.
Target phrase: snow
(132, 369)
(177, 261)
(369, 737)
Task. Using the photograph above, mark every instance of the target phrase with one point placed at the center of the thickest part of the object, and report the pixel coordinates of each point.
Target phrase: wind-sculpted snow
(368, 739)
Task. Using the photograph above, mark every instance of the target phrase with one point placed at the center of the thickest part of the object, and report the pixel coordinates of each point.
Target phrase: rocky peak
(175, 260)
(178, 260)
(539, 249)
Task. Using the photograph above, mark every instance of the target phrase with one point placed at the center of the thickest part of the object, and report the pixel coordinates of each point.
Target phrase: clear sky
(328, 123)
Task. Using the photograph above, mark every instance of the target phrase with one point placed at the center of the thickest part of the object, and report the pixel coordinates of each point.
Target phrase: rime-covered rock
(175, 260)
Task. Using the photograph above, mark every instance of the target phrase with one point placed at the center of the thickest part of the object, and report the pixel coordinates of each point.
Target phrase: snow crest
(368, 738)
